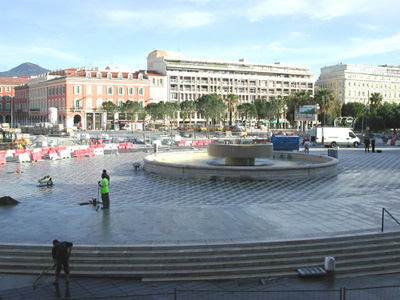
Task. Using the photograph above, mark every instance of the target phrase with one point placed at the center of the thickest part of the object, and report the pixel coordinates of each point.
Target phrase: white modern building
(355, 83)
(189, 79)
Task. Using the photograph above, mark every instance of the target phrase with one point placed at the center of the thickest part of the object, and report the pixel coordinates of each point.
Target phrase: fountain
(240, 161)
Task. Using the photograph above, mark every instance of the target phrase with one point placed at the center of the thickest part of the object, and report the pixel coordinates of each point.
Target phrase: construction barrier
(64, 153)
(98, 151)
(53, 155)
(24, 157)
(36, 156)
(89, 152)
(2, 160)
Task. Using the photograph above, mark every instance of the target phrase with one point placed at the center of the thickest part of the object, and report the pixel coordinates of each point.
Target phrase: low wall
(325, 166)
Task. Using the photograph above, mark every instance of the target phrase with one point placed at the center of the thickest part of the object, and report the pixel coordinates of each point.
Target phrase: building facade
(189, 79)
(7, 94)
(355, 83)
(74, 97)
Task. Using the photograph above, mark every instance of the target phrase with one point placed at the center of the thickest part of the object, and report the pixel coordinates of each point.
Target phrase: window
(130, 77)
(110, 90)
(99, 90)
(99, 102)
(88, 75)
(77, 89)
(161, 82)
(120, 76)
(109, 75)
(63, 89)
(8, 89)
(77, 103)
(120, 102)
(141, 91)
(141, 102)
(89, 102)
(131, 90)
(98, 75)
(120, 90)
(89, 89)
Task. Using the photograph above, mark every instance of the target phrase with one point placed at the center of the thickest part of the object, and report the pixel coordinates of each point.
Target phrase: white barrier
(98, 151)
(24, 157)
(54, 156)
(65, 154)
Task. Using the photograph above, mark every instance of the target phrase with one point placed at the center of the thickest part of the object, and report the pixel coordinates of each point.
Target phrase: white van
(334, 136)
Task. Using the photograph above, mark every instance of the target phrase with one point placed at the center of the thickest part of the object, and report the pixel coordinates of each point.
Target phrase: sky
(58, 34)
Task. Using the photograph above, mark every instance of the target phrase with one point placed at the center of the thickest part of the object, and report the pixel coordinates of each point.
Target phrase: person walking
(104, 191)
(366, 143)
(373, 145)
(61, 252)
(307, 146)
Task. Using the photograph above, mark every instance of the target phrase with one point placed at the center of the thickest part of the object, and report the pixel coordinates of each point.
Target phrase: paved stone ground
(148, 208)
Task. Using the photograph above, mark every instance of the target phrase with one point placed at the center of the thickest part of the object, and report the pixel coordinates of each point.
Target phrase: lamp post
(362, 123)
(316, 114)
(284, 116)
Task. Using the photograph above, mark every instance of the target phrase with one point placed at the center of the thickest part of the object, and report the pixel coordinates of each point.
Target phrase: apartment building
(75, 96)
(189, 79)
(355, 83)
(7, 93)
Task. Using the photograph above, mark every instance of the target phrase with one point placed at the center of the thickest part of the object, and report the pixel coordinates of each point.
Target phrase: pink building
(7, 93)
(74, 97)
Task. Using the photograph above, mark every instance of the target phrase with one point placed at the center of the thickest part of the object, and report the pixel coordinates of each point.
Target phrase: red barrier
(18, 152)
(45, 150)
(35, 156)
(3, 153)
(3, 160)
(89, 152)
(122, 146)
(129, 145)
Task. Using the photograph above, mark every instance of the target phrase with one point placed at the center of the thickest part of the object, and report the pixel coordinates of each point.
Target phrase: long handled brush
(38, 280)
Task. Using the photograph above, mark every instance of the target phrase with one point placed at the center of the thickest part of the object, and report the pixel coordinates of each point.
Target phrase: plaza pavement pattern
(149, 208)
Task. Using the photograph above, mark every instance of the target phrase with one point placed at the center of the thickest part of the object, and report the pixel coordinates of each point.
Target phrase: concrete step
(354, 255)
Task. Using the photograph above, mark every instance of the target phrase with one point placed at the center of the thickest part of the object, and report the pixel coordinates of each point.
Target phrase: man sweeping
(61, 252)
(104, 191)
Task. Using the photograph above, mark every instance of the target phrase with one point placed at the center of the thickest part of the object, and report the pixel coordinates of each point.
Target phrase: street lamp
(362, 123)
(284, 116)
(316, 114)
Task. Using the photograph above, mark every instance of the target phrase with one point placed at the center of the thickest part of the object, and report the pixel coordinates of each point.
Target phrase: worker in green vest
(104, 191)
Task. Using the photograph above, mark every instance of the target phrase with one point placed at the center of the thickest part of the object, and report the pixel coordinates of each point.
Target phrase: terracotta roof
(154, 73)
(13, 81)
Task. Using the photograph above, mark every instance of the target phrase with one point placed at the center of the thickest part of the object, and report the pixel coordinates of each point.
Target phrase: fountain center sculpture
(240, 154)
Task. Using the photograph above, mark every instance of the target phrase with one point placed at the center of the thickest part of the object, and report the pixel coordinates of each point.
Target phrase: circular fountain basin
(281, 166)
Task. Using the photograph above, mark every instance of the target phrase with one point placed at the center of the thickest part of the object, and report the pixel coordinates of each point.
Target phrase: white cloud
(160, 19)
(323, 9)
(17, 54)
(361, 47)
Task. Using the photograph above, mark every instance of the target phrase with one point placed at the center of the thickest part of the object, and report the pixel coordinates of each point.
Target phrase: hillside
(25, 69)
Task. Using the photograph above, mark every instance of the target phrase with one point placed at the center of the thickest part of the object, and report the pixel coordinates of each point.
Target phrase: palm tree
(375, 101)
(327, 102)
(232, 101)
(247, 110)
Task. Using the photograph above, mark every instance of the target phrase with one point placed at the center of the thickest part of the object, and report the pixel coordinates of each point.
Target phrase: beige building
(355, 83)
(189, 79)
